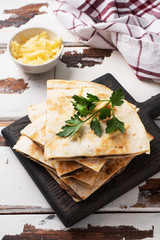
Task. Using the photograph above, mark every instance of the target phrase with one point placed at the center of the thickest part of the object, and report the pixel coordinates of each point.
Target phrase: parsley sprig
(85, 106)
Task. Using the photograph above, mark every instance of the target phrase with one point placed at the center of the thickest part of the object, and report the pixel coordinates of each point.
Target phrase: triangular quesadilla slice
(31, 150)
(36, 131)
(59, 109)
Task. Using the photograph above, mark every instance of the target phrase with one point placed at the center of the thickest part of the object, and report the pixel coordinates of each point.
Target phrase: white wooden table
(24, 212)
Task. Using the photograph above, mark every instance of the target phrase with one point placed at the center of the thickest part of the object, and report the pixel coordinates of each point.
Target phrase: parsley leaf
(114, 124)
(71, 127)
(83, 106)
(83, 109)
(80, 100)
(95, 125)
(104, 112)
(117, 98)
(92, 98)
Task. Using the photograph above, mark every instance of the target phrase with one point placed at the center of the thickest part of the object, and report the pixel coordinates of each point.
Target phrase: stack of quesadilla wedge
(85, 162)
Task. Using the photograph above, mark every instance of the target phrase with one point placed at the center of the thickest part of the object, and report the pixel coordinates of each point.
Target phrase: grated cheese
(36, 50)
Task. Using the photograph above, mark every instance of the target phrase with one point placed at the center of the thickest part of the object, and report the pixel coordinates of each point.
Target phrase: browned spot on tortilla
(3, 142)
(88, 58)
(35, 149)
(21, 15)
(12, 85)
(116, 145)
(101, 233)
(149, 194)
(35, 135)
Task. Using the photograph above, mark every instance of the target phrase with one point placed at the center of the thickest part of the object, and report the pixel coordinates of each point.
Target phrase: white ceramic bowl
(28, 33)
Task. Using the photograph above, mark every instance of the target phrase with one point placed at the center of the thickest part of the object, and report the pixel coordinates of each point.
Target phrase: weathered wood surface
(23, 209)
(98, 226)
(19, 90)
(16, 15)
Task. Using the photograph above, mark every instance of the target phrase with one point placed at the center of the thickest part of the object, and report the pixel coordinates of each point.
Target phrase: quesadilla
(59, 109)
(110, 170)
(36, 153)
(25, 146)
(83, 163)
(74, 185)
(80, 192)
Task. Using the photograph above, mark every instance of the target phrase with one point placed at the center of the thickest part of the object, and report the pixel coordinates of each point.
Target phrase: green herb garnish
(85, 106)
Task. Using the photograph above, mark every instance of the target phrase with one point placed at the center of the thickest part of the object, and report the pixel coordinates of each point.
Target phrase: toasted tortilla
(93, 163)
(62, 184)
(67, 168)
(59, 109)
(36, 131)
(110, 170)
(87, 178)
(78, 191)
(36, 111)
(26, 146)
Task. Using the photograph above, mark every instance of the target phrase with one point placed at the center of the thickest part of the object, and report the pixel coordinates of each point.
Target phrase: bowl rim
(35, 66)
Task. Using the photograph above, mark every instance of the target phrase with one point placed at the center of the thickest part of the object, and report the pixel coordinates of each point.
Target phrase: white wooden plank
(17, 188)
(14, 224)
(14, 105)
(48, 20)
(116, 65)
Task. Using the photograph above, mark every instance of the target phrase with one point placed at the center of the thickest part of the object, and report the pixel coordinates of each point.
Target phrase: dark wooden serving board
(140, 168)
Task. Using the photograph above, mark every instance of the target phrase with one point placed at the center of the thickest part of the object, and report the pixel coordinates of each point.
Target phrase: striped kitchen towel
(131, 26)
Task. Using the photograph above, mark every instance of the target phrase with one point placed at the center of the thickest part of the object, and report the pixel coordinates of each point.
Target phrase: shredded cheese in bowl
(36, 50)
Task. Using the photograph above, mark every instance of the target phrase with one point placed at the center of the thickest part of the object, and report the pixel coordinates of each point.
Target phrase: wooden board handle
(152, 106)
